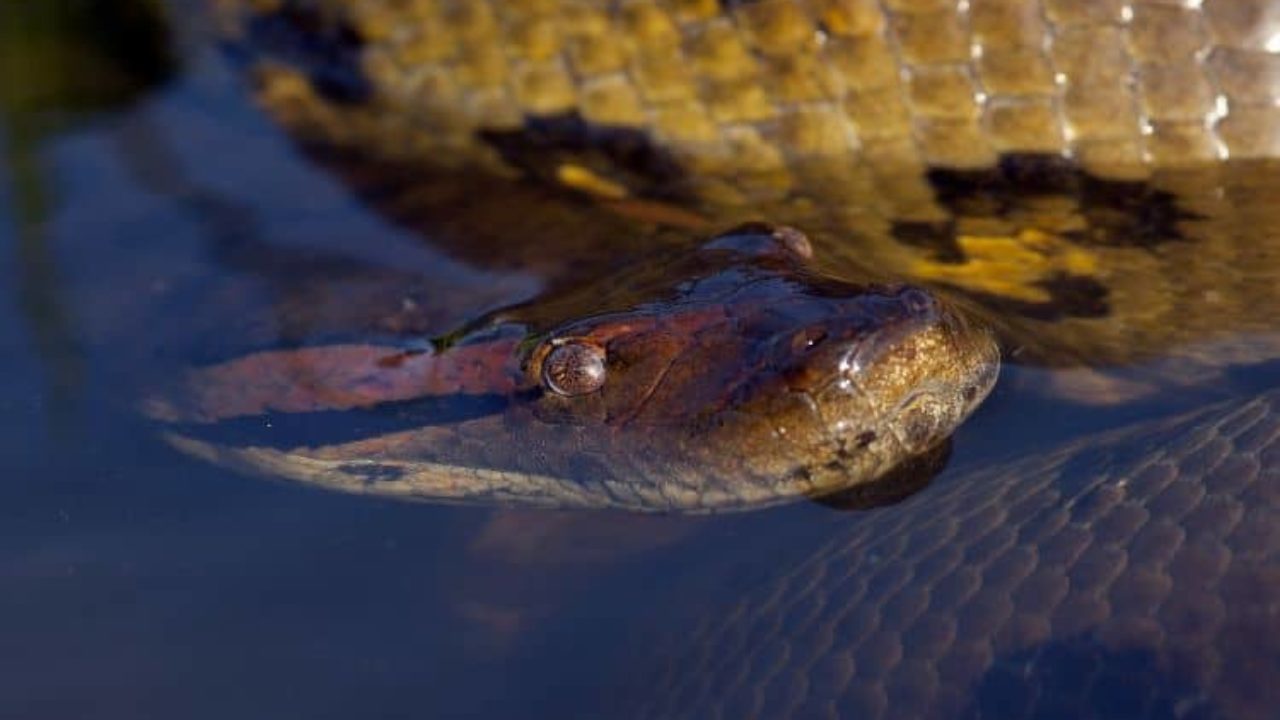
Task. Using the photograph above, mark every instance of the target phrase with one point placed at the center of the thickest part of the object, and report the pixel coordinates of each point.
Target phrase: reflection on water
(60, 63)
(147, 226)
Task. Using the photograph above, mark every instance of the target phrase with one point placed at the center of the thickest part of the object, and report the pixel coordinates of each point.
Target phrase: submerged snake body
(1135, 575)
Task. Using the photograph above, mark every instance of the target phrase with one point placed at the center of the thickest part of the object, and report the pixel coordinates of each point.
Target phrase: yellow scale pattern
(1118, 84)
(827, 113)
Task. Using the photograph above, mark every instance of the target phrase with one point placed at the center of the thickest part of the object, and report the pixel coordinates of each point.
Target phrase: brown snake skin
(882, 128)
(767, 86)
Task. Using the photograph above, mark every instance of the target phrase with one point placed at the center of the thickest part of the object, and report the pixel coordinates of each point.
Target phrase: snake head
(728, 376)
(754, 379)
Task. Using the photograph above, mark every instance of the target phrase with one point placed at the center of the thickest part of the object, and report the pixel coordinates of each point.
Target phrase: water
(138, 582)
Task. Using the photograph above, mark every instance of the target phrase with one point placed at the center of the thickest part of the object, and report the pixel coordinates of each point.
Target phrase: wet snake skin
(781, 88)
(1059, 161)
(1135, 575)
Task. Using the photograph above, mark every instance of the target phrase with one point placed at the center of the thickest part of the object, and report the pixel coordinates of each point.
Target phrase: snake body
(1061, 162)
(1131, 575)
(781, 88)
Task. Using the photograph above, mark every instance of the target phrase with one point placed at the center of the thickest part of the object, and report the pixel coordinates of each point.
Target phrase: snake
(1081, 176)
(1029, 158)
(633, 404)
(1132, 574)
(1063, 162)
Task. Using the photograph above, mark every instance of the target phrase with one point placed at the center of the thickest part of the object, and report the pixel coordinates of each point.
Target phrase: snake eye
(574, 368)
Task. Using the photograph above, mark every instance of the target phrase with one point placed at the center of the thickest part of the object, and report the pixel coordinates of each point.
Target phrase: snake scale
(1059, 160)
(1135, 575)
(1086, 172)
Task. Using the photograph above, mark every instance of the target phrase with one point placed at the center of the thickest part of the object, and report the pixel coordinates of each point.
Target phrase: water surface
(138, 582)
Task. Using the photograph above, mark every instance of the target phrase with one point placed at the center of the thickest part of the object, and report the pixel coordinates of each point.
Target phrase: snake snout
(912, 376)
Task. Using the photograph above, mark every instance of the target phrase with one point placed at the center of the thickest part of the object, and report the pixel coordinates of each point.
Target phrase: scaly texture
(933, 140)
(1136, 575)
(773, 85)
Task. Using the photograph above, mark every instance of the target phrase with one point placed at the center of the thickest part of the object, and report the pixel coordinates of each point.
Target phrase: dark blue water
(138, 582)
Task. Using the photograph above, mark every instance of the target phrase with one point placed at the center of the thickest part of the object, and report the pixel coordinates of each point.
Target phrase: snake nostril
(758, 239)
(793, 241)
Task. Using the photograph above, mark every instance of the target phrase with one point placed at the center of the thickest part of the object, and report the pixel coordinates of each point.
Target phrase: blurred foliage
(65, 58)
